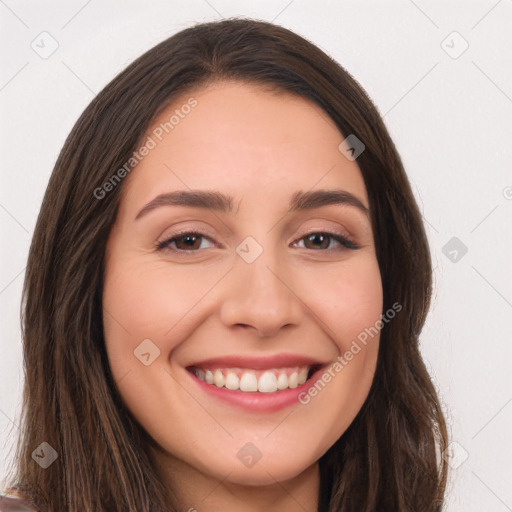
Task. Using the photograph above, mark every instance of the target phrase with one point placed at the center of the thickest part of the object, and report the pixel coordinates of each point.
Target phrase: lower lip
(257, 401)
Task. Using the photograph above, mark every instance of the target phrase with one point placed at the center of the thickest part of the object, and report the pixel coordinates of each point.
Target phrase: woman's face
(256, 296)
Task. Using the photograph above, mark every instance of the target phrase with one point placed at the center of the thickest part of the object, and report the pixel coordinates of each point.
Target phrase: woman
(224, 294)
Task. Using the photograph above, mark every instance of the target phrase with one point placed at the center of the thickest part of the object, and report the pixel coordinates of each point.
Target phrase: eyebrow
(220, 202)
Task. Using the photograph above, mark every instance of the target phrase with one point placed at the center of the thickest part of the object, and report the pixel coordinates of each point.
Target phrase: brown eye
(321, 240)
(188, 241)
(318, 240)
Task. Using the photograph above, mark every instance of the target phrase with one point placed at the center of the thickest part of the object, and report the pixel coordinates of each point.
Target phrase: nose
(261, 296)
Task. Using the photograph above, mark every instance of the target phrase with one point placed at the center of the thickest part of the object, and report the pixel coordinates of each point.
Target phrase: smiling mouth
(246, 380)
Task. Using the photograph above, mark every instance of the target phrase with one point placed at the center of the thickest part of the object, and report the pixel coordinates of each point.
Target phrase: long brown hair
(387, 460)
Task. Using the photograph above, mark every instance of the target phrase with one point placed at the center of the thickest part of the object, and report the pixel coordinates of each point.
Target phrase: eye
(190, 241)
(323, 241)
(185, 242)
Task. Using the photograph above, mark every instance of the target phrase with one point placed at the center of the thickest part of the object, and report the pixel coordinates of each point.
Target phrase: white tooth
(282, 381)
(232, 381)
(303, 375)
(218, 378)
(293, 380)
(208, 377)
(248, 382)
(267, 383)
(199, 373)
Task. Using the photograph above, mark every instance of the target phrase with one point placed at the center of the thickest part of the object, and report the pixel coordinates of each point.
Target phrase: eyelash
(164, 244)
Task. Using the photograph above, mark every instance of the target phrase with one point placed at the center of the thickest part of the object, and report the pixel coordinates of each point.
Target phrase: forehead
(246, 139)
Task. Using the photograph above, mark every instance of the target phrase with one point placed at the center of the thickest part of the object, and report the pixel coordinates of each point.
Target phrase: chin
(264, 472)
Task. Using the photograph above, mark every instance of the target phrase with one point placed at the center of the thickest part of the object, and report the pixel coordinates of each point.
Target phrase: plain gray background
(448, 109)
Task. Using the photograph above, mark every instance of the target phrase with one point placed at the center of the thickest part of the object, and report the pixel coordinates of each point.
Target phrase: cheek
(148, 298)
(347, 299)
(151, 300)
(145, 318)
(349, 307)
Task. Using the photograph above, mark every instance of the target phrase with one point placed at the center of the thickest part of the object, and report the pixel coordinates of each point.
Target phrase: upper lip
(258, 363)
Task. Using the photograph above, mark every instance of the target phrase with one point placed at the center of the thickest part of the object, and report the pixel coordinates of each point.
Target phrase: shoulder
(11, 503)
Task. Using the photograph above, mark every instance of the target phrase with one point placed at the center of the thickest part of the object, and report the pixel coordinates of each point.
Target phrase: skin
(297, 297)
